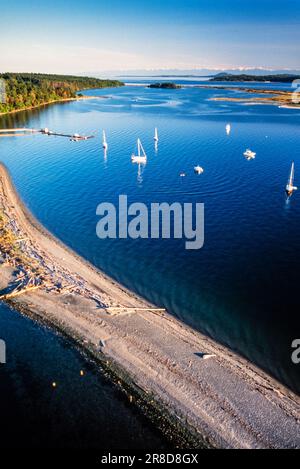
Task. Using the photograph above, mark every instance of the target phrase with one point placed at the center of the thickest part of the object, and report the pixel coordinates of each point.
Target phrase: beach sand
(283, 99)
(223, 401)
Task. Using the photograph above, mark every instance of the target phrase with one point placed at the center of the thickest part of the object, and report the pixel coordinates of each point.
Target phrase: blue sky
(99, 35)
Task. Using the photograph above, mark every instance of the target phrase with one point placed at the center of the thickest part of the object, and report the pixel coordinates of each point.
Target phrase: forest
(165, 86)
(25, 90)
(281, 78)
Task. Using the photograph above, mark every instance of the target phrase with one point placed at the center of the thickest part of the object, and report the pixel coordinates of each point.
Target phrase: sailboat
(104, 142)
(290, 188)
(155, 135)
(141, 156)
(249, 155)
(198, 169)
(228, 129)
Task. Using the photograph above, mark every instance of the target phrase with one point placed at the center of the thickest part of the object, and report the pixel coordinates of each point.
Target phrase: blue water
(241, 288)
(193, 81)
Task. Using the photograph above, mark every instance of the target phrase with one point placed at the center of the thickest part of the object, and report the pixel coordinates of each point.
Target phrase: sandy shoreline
(47, 103)
(224, 400)
(276, 97)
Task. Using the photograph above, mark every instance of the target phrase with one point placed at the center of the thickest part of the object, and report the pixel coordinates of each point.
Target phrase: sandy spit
(223, 400)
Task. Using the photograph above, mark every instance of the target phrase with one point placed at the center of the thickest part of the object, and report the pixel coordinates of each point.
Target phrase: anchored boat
(141, 156)
(155, 135)
(290, 188)
(228, 129)
(198, 169)
(104, 142)
(74, 137)
(249, 155)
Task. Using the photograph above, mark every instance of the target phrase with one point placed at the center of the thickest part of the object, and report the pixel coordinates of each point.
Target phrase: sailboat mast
(139, 147)
(142, 148)
(140, 156)
(292, 175)
(104, 143)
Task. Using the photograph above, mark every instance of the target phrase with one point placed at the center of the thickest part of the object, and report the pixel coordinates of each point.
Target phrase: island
(281, 98)
(165, 86)
(281, 78)
(23, 91)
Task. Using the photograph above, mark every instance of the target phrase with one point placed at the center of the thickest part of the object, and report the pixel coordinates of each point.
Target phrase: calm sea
(241, 288)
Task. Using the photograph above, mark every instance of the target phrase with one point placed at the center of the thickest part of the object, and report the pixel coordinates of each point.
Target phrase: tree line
(282, 78)
(25, 90)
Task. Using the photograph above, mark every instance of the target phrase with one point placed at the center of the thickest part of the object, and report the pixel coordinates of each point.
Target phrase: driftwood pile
(34, 269)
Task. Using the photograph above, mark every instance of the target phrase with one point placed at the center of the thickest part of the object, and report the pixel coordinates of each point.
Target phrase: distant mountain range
(194, 73)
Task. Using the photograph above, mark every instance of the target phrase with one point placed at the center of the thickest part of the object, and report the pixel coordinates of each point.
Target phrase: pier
(45, 131)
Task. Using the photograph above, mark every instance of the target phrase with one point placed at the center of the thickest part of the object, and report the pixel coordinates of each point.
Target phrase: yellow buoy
(81, 373)
(54, 385)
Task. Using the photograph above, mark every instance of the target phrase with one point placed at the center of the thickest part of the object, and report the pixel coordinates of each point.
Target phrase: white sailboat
(290, 188)
(104, 142)
(141, 156)
(228, 129)
(198, 169)
(155, 135)
(249, 155)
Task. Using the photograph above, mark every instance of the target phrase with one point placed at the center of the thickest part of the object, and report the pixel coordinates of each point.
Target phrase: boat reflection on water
(141, 168)
(155, 139)
(105, 155)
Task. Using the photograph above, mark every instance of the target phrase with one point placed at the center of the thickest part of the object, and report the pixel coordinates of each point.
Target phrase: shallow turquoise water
(241, 288)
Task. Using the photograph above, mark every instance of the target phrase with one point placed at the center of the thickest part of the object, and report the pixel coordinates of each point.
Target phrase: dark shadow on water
(83, 410)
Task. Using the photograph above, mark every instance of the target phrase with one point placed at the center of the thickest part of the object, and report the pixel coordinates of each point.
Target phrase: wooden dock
(24, 130)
